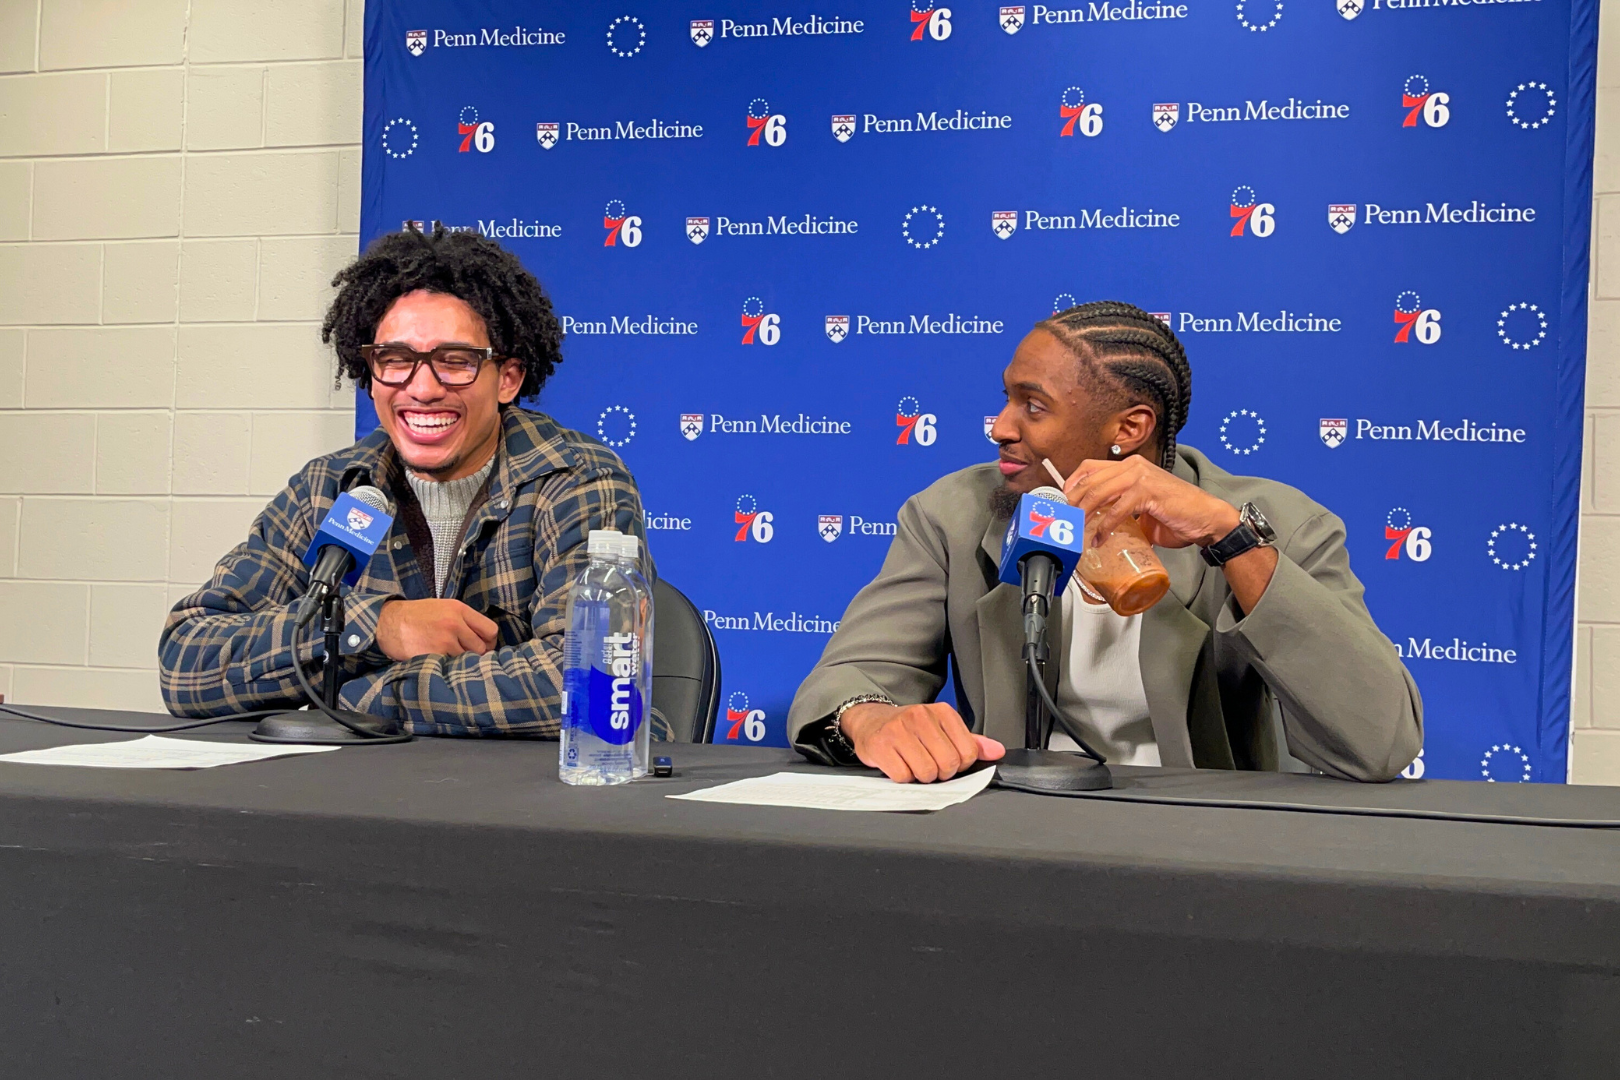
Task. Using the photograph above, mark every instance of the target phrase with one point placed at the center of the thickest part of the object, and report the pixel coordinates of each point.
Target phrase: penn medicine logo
(933, 21)
(764, 125)
(623, 228)
(1432, 107)
(837, 328)
(1072, 109)
(1333, 431)
(1405, 538)
(843, 126)
(1341, 217)
(1012, 19)
(697, 229)
(416, 42)
(1417, 323)
(989, 426)
(912, 421)
(1348, 9)
(1254, 218)
(749, 723)
(1004, 223)
(1165, 114)
(475, 135)
(752, 522)
(546, 134)
(702, 32)
(759, 325)
(691, 426)
(830, 526)
(359, 520)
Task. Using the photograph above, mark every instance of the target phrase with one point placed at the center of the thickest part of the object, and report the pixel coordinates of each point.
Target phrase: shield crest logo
(1003, 223)
(1012, 19)
(989, 422)
(837, 328)
(843, 126)
(1165, 114)
(1349, 9)
(358, 519)
(1341, 216)
(1162, 316)
(702, 32)
(697, 229)
(830, 526)
(1333, 432)
(691, 425)
(409, 224)
(416, 42)
(546, 135)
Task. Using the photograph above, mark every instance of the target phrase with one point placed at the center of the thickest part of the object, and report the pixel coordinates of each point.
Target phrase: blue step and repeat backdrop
(794, 243)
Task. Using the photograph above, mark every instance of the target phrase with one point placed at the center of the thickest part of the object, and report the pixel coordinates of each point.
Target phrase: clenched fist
(410, 628)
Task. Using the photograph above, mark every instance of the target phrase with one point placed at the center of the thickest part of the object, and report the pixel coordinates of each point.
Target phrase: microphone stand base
(310, 728)
(1050, 772)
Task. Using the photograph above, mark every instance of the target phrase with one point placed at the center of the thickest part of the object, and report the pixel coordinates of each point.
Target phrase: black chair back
(686, 667)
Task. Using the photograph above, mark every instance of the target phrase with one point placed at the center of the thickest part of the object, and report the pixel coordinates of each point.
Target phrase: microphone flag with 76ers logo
(792, 248)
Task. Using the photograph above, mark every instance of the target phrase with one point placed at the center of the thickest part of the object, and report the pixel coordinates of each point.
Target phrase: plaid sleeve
(228, 647)
(516, 690)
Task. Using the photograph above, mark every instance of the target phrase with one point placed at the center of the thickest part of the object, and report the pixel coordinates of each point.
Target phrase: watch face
(1257, 521)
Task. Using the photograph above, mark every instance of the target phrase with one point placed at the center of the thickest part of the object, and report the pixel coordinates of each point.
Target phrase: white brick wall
(179, 180)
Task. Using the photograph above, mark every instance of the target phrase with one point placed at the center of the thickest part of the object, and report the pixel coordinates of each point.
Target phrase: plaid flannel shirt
(229, 647)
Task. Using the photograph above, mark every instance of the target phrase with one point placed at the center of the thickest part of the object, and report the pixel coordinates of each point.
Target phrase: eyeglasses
(453, 365)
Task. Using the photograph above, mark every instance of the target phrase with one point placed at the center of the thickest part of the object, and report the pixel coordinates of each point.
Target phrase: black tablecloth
(448, 909)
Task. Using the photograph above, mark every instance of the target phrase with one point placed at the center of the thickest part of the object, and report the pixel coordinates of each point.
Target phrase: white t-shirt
(1101, 689)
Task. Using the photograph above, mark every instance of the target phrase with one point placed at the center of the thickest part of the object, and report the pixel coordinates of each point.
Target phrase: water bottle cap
(603, 542)
(629, 546)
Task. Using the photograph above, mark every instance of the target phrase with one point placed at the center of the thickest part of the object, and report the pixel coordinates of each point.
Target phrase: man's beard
(1004, 500)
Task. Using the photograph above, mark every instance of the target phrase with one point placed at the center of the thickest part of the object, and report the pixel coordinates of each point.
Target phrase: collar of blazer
(1172, 638)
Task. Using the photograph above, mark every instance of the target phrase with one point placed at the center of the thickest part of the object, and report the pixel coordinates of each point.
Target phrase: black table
(449, 909)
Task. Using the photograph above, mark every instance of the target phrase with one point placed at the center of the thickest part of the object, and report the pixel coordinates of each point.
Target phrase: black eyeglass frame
(433, 356)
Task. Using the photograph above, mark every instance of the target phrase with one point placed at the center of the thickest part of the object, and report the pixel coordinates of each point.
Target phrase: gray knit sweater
(444, 505)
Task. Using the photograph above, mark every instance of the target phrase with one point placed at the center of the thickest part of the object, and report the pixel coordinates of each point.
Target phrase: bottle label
(609, 699)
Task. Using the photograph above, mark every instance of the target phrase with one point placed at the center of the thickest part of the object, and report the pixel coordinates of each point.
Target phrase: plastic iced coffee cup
(1120, 569)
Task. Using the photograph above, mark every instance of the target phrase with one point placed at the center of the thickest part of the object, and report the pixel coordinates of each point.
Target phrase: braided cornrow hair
(1122, 343)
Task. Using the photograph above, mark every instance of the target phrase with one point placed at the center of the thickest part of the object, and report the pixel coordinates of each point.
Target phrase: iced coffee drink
(1120, 569)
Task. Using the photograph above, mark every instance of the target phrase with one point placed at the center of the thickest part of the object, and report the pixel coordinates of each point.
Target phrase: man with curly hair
(456, 625)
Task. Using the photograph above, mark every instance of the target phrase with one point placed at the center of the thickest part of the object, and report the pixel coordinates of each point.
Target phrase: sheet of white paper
(156, 752)
(835, 791)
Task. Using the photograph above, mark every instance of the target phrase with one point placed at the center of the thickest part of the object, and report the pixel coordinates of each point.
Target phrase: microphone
(1039, 553)
(348, 537)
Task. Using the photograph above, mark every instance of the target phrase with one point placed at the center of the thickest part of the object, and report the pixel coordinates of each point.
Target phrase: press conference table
(449, 909)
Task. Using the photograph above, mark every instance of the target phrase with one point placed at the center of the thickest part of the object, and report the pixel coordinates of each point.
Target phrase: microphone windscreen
(1047, 491)
(373, 497)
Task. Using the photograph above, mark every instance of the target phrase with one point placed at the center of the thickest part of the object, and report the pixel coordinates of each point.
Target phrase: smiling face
(442, 433)
(1053, 412)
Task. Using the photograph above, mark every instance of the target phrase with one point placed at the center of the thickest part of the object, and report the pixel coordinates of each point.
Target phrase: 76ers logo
(474, 135)
(751, 521)
(622, 228)
(935, 20)
(1418, 100)
(1415, 320)
(1072, 108)
(1414, 541)
(911, 420)
(762, 122)
(1257, 218)
(758, 324)
(1043, 516)
(749, 723)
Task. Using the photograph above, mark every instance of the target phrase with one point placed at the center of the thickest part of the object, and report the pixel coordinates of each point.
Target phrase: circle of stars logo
(1079, 94)
(1416, 86)
(752, 507)
(731, 702)
(626, 36)
(913, 409)
(759, 109)
(753, 307)
(1408, 302)
(468, 120)
(1232, 418)
(1526, 88)
(393, 138)
(1390, 518)
(1507, 339)
(629, 429)
(1508, 563)
(922, 10)
(1243, 196)
(1505, 748)
(1260, 26)
(1062, 302)
(921, 215)
(614, 209)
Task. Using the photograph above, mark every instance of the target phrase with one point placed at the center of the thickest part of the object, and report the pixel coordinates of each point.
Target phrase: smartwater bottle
(607, 667)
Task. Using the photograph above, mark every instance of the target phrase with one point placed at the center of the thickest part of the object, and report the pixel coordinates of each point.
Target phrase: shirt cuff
(361, 614)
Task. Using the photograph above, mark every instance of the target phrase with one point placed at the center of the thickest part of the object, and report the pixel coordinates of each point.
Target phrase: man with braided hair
(456, 625)
(1263, 643)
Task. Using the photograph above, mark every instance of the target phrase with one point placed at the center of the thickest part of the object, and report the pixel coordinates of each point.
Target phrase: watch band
(1235, 543)
(839, 744)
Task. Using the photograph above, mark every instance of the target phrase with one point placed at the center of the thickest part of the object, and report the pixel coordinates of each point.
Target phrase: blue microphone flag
(353, 526)
(1046, 525)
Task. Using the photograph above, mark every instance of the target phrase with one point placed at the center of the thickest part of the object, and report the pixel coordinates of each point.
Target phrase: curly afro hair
(515, 309)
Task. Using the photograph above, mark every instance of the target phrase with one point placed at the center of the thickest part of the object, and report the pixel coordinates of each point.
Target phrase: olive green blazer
(1214, 677)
